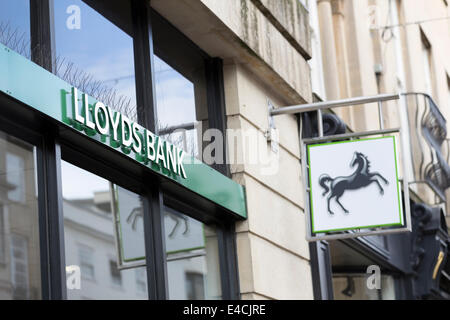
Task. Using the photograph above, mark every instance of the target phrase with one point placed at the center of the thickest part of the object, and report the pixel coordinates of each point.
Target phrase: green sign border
(42, 91)
(360, 227)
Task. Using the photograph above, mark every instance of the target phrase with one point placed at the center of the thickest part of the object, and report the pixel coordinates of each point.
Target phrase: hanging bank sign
(358, 189)
(125, 134)
(43, 92)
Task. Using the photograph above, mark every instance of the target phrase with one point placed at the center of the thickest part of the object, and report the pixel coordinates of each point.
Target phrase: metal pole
(319, 123)
(183, 126)
(332, 104)
(350, 135)
(380, 114)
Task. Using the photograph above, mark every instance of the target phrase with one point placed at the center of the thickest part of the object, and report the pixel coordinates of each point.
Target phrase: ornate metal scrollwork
(428, 127)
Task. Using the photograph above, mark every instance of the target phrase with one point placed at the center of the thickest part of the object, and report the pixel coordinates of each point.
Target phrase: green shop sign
(44, 92)
(124, 134)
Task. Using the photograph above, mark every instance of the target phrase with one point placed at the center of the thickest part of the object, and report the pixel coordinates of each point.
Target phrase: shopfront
(100, 107)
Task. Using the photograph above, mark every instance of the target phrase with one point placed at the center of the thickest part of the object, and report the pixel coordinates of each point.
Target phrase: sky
(16, 14)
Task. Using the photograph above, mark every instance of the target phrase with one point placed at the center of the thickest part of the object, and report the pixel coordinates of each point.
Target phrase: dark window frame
(54, 144)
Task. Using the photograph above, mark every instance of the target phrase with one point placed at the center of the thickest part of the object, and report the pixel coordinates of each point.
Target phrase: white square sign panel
(354, 185)
(182, 232)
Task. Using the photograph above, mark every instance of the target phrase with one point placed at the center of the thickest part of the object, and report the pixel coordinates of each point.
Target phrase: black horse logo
(361, 178)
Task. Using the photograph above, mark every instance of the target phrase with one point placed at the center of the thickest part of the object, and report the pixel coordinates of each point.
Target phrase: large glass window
(95, 55)
(181, 89)
(20, 272)
(178, 119)
(192, 258)
(90, 242)
(15, 25)
(192, 246)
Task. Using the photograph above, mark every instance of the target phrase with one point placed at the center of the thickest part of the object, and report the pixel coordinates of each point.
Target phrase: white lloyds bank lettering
(120, 128)
(127, 137)
(171, 157)
(87, 113)
(100, 107)
(151, 139)
(114, 118)
(180, 156)
(160, 154)
(75, 106)
(137, 144)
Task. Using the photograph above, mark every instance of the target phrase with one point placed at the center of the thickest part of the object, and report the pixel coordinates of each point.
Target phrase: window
(195, 287)
(86, 257)
(15, 176)
(176, 107)
(95, 55)
(88, 220)
(181, 87)
(19, 221)
(192, 258)
(141, 280)
(19, 267)
(15, 26)
(116, 276)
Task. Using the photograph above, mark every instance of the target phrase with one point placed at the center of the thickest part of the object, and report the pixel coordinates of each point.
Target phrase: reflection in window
(15, 25)
(141, 280)
(116, 276)
(176, 107)
(195, 289)
(192, 258)
(19, 266)
(181, 107)
(95, 56)
(20, 274)
(15, 176)
(88, 227)
(86, 257)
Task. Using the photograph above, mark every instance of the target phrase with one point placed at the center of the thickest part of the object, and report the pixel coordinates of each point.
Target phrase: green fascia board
(42, 91)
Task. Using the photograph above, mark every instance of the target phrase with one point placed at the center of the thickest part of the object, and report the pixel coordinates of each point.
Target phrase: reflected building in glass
(91, 245)
(90, 241)
(20, 272)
